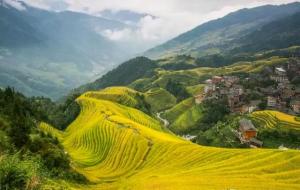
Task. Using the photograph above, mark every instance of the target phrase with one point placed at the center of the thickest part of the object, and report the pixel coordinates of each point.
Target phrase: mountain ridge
(208, 38)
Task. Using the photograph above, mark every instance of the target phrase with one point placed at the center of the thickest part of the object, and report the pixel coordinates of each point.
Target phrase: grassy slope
(159, 99)
(118, 147)
(195, 76)
(196, 89)
(272, 119)
(184, 115)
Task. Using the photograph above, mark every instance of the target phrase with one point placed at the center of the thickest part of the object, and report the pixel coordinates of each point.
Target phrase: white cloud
(118, 35)
(172, 17)
(15, 4)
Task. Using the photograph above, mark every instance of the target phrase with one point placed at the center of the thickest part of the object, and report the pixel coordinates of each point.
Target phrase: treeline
(28, 157)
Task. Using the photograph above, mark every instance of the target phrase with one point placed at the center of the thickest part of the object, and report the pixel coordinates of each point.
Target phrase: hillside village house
(252, 106)
(217, 79)
(247, 129)
(280, 75)
(248, 133)
(230, 80)
(209, 87)
(272, 102)
(295, 104)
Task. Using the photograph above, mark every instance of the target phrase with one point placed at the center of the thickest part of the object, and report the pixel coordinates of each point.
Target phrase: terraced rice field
(184, 115)
(159, 99)
(271, 119)
(118, 147)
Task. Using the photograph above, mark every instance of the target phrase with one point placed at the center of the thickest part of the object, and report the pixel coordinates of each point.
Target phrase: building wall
(249, 134)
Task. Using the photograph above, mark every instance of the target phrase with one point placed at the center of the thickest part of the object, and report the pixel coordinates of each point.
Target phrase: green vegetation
(221, 134)
(28, 157)
(196, 89)
(124, 74)
(178, 90)
(59, 115)
(189, 117)
(159, 99)
(177, 110)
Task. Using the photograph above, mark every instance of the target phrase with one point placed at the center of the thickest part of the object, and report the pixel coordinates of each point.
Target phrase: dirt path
(166, 122)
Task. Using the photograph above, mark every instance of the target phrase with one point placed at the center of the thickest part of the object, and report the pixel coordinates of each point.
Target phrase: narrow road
(166, 122)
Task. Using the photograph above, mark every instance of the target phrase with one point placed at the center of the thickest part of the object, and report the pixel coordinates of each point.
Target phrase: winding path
(166, 122)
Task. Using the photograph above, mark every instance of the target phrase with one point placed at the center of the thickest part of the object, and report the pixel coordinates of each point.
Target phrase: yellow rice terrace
(118, 147)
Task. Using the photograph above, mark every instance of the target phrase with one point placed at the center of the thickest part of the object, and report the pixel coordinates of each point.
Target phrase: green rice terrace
(116, 146)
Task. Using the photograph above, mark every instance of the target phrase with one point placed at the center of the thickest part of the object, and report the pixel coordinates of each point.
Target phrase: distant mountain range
(263, 32)
(45, 53)
(236, 30)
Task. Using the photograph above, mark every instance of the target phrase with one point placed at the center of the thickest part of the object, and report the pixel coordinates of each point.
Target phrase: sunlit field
(118, 147)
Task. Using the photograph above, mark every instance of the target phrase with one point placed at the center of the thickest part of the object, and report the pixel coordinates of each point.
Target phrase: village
(281, 95)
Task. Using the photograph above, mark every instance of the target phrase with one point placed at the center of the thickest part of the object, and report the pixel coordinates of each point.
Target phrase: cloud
(171, 17)
(14, 4)
(124, 34)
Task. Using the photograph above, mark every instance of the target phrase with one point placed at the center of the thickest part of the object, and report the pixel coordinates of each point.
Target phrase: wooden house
(247, 129)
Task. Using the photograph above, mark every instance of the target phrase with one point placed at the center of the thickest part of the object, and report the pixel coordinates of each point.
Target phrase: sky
(168, 19)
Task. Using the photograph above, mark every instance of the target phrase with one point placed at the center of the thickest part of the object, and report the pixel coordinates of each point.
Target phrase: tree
(177, 90)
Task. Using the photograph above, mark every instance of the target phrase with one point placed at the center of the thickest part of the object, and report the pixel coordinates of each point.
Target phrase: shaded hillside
(28, 157)
(278, 34)
(218, 35)
(46, 53)
(124, 74)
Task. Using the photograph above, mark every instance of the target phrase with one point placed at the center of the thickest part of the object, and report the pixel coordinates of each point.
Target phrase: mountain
(277, 34)
(46, 53)
(221, 35)
(124, 74)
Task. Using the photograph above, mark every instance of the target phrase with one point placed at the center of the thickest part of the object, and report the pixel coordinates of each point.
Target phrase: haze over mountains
(217, 107)
(224, 34)
(46, 53)
(236, 37)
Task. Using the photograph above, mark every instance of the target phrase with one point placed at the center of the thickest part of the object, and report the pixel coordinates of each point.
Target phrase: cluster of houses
(286, 97)
(227, 87)
(283, 96)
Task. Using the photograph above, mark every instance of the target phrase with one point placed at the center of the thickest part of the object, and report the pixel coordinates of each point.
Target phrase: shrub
(17, 175)
(5, 144)
(55, 158)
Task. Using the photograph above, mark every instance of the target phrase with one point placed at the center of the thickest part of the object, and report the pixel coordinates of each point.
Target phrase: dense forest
(27, 155)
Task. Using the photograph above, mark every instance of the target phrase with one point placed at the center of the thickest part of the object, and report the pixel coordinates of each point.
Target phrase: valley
(217, 107)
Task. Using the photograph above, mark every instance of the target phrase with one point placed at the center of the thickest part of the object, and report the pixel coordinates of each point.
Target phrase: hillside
(285, 33)
(47, 53)
(221, 35)
(28, 157)
(110, 142)
(124, 74)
